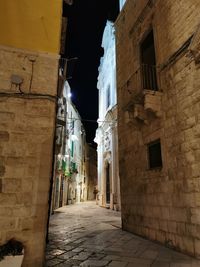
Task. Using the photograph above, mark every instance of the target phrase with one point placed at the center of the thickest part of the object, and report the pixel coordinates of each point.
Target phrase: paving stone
(82, 256)
(161, 264)
(73, 262)
(94, 263)
(63, 265)
(138, 261)
(118, 264)
(178, 264)
(53, 262)
(97, 256)
(100, 244)
(49, 257)
(111, 257)
(195, 263)
(67, 247)
(132, 264)
(77, 250)
(149, 254)
(56, 252)
(67, 255)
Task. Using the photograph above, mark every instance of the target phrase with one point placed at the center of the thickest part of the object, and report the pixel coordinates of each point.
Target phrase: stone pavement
(87, 235)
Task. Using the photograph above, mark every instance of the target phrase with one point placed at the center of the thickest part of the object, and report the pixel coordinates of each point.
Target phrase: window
(148, 60)
(72, 148)
(108, 97)
(154, 154)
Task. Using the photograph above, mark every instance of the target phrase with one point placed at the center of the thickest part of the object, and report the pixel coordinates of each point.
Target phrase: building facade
(70, 184)
(158, 48)
(106, 135)
(76, 157)
(60, 181)
(29, 59)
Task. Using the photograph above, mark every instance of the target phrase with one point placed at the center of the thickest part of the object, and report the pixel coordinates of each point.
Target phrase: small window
(108, 97)
(154, 154)
(72, 148)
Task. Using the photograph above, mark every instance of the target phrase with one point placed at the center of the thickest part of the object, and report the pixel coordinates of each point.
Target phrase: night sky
(86, 22)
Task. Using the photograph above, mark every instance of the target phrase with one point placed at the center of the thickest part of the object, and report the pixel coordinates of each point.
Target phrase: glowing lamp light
(69, 95)
(59, 156)
(74, 137)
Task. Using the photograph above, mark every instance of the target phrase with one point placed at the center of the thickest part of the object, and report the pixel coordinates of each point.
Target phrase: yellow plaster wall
(31, 24)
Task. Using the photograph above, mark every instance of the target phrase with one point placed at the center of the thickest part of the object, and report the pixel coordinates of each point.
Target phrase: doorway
(108, 184)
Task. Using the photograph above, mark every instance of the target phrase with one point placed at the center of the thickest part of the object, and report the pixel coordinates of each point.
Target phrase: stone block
(195, 170)
(24, 198)
(197, 247)
(187, 244)
(8, 199)
(42, 198)
(27, 185)
(178, 214)
(6, 118)
(4, 136)
(6, 211)
(195, 215)
(7, 223)
(172, 226)
(2, 170)
(11, 185)
(22, 211)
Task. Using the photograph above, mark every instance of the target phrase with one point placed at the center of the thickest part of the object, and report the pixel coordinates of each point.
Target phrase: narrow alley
(87, 235)
(100, 133)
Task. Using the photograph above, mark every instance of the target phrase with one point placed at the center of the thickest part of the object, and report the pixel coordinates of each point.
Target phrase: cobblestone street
(87, 235)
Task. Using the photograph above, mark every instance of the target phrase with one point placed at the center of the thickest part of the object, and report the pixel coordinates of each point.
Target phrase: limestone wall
(26, 143)
(161, 204)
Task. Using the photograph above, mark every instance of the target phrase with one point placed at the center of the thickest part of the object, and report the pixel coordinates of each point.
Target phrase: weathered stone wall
(160, 204)
(26, 142)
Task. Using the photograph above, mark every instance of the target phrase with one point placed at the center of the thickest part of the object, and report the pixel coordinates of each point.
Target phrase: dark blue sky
(86, 22)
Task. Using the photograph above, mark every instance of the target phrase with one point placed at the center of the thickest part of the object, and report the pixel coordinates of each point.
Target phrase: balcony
(149, 77)
(141, 95)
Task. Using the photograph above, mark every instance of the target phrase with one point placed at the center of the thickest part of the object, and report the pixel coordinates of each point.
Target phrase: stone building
(29, 53)
(106, 135)
(60, 181)
(75, 153)
(70, 183)
(158, 82)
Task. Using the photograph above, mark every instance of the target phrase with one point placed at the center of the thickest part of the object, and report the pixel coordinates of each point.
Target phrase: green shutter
(72, 149)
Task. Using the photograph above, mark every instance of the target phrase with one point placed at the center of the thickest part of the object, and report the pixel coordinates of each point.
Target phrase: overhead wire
(88, 120)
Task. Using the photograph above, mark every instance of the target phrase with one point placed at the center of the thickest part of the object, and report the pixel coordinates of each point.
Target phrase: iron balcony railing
(144, 78)
(149, 77)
